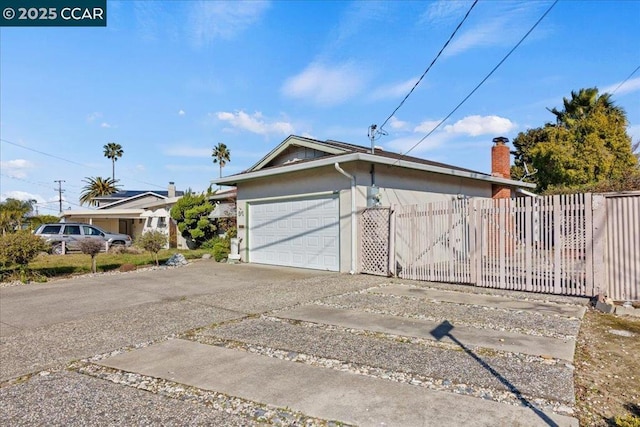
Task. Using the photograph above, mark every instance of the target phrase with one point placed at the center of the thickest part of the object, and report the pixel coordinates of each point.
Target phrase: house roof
(107, 213)
(125, 194)
(341, 152)
(119, 197)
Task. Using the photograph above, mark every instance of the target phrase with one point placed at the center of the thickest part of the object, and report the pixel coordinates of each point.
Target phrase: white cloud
(212, 20)
(426, 126)
(255, 123)
(22, 195)
(397, 124)
(481, 125)
(185, 151)
(181, 113)
(403, 144)
(444, 10)
(395, 90)
(501, 25)
(16, 168)
(630, 86)
(105, 125)
(325, 85)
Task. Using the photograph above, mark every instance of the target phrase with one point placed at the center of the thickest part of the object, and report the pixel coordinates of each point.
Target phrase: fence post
(599, 208)
(392, 241)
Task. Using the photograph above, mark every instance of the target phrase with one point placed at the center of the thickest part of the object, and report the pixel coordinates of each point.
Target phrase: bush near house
(191, 213)
(18, 250)
(91, 247)
(221, 246)
(153, 241)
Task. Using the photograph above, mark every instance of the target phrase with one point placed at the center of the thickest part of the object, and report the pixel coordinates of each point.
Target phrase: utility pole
(60, 191)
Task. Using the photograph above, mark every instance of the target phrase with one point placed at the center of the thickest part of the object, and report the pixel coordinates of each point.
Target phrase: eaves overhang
(370, 158)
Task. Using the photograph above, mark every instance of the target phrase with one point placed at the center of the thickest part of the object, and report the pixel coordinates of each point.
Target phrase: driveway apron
(245, 344)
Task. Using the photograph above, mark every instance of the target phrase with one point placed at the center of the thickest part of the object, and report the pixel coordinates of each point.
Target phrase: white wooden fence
(580, 244)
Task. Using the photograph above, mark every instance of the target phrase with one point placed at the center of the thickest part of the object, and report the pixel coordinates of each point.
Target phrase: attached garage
(296, 233)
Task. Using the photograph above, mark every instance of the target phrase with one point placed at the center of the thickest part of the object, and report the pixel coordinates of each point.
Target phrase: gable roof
(123, 197)
(125, 194)
(331, 151)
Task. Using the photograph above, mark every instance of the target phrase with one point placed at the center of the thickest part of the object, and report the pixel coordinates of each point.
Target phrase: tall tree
(588, 144)
(221, 155)
(582, 103)
(13, 212)
(191, 213)
(97, 187)
(113, 151)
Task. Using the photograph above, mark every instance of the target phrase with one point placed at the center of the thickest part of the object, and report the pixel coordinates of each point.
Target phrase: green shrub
(209, 244)
(20, 248)
(221, 249)
(91, 247)
(153, 241)
(627, 421)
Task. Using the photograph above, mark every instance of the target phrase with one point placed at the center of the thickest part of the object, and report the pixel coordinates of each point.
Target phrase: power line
(626, 80)
(430, 65)
(33, 182)
(71, 161)
(43, 153)
(481, 82)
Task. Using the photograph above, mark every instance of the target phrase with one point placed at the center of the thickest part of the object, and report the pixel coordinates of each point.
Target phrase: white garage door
(296, 233)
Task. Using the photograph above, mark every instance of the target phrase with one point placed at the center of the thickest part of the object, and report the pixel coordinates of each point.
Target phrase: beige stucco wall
(397, 186)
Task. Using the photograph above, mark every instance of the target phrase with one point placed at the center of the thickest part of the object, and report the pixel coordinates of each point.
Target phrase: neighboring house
(225, 204)
(297, 206)
(131, 212)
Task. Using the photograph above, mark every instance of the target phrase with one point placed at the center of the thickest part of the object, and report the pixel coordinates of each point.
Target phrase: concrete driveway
(218, 344)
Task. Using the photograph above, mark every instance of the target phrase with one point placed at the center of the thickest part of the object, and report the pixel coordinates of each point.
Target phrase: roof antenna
(373, 134)
(527, 174)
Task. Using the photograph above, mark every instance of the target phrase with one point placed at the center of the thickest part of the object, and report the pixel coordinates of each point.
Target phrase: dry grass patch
(607, 376)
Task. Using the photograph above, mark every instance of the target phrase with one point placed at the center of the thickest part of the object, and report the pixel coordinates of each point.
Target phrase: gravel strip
(518, 321)
(71, 399)
(415, 362)
(521, 295)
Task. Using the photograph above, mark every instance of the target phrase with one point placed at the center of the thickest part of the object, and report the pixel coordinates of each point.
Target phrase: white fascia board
(351, 157)
(110, 213)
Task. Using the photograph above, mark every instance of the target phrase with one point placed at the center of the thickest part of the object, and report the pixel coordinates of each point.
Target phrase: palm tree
(221, 155)
(582, 103)
(113, 151)
(97, 187)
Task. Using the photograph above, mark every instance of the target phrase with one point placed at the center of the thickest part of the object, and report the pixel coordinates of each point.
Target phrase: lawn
(48, 266)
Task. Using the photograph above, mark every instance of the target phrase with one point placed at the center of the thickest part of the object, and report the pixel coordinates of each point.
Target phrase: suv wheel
(57, 249)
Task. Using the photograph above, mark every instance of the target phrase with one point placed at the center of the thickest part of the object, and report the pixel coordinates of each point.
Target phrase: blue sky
(168, 80)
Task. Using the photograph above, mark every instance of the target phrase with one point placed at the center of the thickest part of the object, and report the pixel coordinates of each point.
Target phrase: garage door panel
(298, 233)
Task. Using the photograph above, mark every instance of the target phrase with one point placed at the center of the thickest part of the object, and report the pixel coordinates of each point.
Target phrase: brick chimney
(172, 189)
(500, 166)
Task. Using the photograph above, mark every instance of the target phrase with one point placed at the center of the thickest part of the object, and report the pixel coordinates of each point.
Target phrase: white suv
(72, 232)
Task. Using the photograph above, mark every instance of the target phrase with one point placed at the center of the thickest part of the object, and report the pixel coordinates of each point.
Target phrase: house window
(149, 221)
(162, 222)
